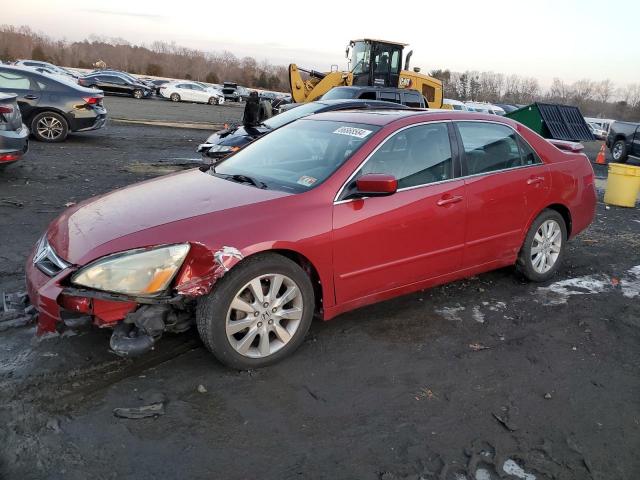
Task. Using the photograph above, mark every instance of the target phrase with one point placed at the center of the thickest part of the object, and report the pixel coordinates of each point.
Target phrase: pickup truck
(624, 141)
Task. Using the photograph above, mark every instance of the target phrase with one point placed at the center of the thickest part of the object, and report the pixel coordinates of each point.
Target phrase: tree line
(163, 59)
(595, 99)
(159, 59)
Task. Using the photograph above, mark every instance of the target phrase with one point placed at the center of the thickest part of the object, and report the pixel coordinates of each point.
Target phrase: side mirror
(376, 185)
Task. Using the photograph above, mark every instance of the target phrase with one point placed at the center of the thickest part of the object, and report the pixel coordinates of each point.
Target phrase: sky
(568, 39)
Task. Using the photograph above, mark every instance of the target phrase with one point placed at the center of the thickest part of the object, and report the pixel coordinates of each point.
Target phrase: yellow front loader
(375, 63)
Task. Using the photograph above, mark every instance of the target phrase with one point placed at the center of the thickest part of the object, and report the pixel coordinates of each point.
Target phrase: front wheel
(138, 94)
(544, 246)
(175, 97)
(619, 151)
(213, 101)
(49, 127)
(258, 313)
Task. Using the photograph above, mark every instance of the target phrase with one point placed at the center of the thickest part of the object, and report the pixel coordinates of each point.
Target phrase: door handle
(449, 200)
(535, 180)
(31, 97)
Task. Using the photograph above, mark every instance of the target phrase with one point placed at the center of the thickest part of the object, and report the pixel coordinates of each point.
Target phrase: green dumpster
(550, 120)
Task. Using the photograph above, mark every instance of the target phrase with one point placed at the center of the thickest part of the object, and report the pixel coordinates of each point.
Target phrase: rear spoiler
(573, 147)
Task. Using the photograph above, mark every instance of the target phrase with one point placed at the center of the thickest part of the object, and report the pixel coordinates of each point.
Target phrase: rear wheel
(49, 127)
(258, 313)
(619, 151)
(175, 97)
(543, 250)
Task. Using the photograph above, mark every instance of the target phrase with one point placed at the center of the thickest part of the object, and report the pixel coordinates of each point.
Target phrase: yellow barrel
(623, 185)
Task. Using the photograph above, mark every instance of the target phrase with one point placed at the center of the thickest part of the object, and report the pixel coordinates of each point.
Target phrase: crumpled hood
(146, 205)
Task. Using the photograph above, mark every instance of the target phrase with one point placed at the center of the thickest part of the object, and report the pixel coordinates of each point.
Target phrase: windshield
(299, 156)
(360, 57)
(293, 114)
(340, 93)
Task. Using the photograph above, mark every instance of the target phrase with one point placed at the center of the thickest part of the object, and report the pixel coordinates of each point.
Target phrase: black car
(404, 96)
(157, 84)
(145, 81)
(116, 84)
(51, 106)
(231, 139)
(14, 135)
(624, 141)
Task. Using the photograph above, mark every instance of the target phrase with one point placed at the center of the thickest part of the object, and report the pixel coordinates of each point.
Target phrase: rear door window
(415, 156)
(529, 156)
(488, 147)
(14, 81)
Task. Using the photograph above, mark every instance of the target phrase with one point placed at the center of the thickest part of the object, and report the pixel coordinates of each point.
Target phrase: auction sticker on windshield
(353, 132)
(306, 181)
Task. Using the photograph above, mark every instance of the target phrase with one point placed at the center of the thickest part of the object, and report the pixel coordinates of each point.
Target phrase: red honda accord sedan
(324, 215)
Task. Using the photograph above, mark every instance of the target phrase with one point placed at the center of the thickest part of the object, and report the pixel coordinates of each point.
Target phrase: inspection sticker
(353, 132)
(306, 181)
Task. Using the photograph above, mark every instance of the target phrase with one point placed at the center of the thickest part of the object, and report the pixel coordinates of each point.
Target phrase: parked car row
(481, 107)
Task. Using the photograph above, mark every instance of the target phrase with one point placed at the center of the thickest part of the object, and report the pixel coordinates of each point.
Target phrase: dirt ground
(485, 378)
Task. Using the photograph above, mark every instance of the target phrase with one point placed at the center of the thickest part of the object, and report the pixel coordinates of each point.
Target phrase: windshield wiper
(238, 177)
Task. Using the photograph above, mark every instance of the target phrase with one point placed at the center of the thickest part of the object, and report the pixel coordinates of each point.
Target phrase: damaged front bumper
(139, 321)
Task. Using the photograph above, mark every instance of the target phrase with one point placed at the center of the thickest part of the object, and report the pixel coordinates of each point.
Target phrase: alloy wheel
(546, 246)
(617, 151)
(264, 315)
(50, 128)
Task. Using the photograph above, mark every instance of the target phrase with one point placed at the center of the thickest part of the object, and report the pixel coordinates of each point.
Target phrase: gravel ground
(473, 380)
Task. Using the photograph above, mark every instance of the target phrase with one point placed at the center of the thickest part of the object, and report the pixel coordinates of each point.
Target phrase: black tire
(138, 94)
(524, 263)
(58, 131)
(174, 97)
(211, 313)
(213, 101)
(619, 149)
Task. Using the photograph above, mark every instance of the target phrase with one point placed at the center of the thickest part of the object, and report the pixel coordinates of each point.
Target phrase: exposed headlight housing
(139, 272)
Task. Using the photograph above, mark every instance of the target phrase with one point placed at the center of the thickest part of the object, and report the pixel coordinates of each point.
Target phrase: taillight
(10, 157)
(6, 109)
(92, 100)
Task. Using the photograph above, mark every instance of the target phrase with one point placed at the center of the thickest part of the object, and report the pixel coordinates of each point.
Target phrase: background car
(191, 92)
(115, 84)
(230, 91)
(14, 135)
(51, 68)
(507, 107)
(597, 132)
(229, 140)
(53, 107)
(455, 104)
(127, 75)
(404, 96)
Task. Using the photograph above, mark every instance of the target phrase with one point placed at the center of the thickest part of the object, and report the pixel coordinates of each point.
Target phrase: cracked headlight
(135, 272)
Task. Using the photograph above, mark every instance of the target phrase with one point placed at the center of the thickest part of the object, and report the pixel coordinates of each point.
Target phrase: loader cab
(375, 63)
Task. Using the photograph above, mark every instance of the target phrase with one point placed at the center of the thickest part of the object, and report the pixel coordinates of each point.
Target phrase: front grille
(47, 260)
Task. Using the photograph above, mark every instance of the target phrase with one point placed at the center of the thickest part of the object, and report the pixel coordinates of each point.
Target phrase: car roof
(372, 88)
(387, 116)
(341, 102)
